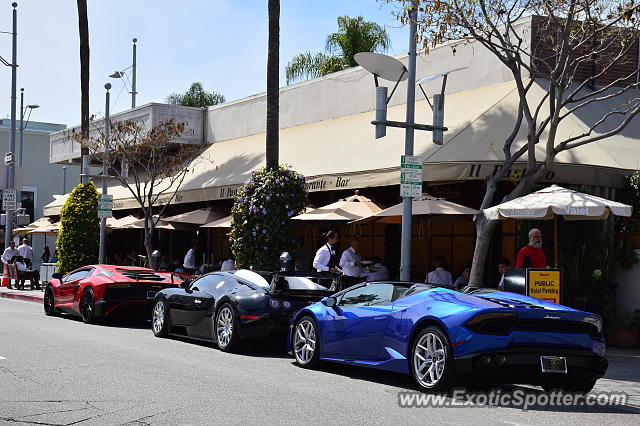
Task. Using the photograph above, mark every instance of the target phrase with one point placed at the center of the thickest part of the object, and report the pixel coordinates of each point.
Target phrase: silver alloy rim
(429, 360)
(225, 326)
(304, 342)
(158, 316)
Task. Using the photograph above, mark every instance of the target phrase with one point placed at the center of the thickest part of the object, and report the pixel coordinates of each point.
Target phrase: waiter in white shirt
(8, 254)
(350, 265)
(189, 262)
(326, 259)
(26, 252)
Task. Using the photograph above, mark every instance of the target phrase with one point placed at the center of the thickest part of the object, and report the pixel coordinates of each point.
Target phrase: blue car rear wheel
(431, 361)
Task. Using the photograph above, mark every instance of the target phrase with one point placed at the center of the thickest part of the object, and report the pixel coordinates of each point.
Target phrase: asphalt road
(61, 371)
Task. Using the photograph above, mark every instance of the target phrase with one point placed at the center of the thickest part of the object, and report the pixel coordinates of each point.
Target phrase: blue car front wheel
(431, 360)
(306, 344)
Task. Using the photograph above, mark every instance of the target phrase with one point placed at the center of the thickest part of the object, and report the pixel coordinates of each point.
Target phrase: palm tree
(354, 35)
(273, 85)
(83, 27)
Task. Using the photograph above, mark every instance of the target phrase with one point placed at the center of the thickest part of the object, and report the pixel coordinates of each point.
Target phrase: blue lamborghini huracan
(446, 338)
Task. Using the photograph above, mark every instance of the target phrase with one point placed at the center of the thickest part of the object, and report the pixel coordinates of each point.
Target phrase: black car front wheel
(431, 361)
(226, 328)
(159, 318)
(87, 306)
(49, 302)
(306, 343)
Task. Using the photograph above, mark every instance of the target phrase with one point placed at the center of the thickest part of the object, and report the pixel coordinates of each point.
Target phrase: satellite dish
(436, 76)
(382, 66)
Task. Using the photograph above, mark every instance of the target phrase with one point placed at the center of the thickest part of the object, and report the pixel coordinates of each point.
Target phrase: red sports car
(98, 291)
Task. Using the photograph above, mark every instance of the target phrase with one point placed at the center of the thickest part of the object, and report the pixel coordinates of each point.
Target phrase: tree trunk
(148, 237)
(83, 27)
(484, 233)
(273, 85)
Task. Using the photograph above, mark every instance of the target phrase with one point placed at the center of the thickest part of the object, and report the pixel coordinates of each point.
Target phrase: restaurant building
(326, 134)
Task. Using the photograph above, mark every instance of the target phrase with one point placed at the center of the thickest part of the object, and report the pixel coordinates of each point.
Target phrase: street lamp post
(120, 74)
(64, 180)
(30, 107)
(103, 221)
(12, 143)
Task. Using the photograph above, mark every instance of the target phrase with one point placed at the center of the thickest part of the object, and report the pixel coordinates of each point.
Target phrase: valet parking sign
(544, 284)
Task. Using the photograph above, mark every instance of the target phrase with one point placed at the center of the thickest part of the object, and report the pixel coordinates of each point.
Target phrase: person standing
(532, 255)
(440, 275)
(46, 254)
(9, 254)
(26, 252)
(350, 264)
(189, 263)
(326, 259)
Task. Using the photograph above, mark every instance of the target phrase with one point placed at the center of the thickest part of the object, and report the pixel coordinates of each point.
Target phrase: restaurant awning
(350, 208)
(196, 217)
(225, 222)
(342, 153)
(421, 206)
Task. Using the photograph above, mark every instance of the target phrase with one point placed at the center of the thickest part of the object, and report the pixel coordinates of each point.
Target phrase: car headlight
(597, 322)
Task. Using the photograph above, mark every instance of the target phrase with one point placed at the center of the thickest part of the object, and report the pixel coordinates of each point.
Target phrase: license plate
(151, 294)
(553, 364)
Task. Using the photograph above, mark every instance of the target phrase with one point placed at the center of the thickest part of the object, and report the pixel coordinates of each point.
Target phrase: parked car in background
(234, 306)
(443, 337)
(98, 291)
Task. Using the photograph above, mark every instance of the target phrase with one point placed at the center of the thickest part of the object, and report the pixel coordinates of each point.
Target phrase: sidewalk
(28, 295)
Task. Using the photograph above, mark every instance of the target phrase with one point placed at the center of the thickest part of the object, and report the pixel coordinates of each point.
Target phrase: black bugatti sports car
(234, 306)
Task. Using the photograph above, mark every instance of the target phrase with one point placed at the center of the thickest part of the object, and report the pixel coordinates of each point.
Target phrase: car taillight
(496, 323)
(275, 304)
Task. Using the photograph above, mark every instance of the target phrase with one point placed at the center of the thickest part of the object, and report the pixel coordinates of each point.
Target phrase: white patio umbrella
(225, 222)
(555, 200)
(350, 208)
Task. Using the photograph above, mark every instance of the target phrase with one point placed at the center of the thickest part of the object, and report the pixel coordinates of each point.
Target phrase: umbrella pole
(555, 240)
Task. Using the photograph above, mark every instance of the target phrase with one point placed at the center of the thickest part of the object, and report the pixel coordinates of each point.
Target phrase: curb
(25, 297)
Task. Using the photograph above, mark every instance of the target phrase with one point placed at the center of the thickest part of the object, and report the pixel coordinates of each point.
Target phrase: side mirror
(329, 302)
(57, 276)
(185, 284)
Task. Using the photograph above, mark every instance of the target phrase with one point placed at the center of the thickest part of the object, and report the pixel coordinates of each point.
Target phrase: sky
(221, 43)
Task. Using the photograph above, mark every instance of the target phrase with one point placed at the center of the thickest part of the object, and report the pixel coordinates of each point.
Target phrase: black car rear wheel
(87, 307)
(431, 361)
(159, 318)
(306, 343)
(49, 302)
(226, 328)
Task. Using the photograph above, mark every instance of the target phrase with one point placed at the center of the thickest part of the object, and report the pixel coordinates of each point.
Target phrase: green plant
(78, 240)
(261, 228)
(625, 252)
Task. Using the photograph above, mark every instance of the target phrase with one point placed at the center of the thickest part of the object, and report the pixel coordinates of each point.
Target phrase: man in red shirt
(532, 255)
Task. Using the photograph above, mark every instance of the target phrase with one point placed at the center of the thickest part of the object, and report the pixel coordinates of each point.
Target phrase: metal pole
(103, 221)
(64, 180)
(21, 125)
(133, 75)
(405, 253)
(12, 144)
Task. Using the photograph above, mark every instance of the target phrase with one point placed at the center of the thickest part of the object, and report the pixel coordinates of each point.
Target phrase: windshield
(303, 283)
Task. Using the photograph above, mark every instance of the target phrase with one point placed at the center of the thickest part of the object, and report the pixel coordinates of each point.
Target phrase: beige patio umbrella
(421, 206)
(139, 224)
(121, 223)
(225, 222)
(196, 217)
(50, 230)
(40, 223)
(555, 200)
(350, 208)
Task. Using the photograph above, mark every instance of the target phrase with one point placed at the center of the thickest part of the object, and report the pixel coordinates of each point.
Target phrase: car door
(185, 308)
(70, 285)
(204, 291)
(360, 320)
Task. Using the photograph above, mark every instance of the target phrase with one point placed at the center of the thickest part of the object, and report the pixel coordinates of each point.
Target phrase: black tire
(226, 328)
(49, 302)
(442, 373)
(87, 306)
(305, 342)
(159, 318)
